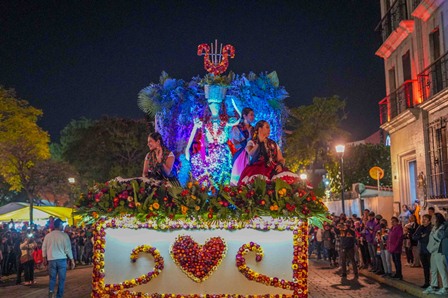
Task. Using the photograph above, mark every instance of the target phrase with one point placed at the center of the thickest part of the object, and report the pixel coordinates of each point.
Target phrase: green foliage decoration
(161, 202)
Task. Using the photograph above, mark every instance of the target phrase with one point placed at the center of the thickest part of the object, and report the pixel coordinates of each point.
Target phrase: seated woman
(240, 134)
(267, 161)
(159, 161)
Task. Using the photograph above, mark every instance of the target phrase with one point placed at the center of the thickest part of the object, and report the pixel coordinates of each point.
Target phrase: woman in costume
(159, 161)
(267, 161)
(240, 134)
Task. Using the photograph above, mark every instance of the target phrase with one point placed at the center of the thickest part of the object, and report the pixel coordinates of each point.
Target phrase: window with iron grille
(437, 132)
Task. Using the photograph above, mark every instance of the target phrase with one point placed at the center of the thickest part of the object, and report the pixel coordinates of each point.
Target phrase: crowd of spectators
(375, 243)
(21, 248)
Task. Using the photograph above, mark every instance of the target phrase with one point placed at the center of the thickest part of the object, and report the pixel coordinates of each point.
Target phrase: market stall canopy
(12, 207)
(39, 212)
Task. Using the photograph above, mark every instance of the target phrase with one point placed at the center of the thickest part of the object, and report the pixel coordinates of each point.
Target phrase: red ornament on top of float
(216, 62)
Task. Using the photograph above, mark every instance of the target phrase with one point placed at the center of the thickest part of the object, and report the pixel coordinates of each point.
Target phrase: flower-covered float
(202, 237)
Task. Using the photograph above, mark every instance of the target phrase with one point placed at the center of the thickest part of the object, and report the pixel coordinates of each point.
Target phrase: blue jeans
(57, 268)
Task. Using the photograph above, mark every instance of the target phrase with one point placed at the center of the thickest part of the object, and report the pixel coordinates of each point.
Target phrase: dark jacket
(347, 236)
(412, 227)
(329, 239)
(422, 235)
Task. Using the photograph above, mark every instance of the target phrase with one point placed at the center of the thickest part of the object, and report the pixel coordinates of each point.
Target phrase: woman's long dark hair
(262, 149)
(259, 125)
(440, 220)
(157, 137)
(245, 112)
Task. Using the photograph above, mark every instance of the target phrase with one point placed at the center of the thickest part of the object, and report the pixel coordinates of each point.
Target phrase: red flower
(290, 207)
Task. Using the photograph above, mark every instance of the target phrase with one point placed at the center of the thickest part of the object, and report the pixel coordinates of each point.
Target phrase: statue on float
(208, 141)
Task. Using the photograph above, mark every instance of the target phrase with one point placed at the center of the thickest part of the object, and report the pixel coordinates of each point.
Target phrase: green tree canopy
(49, 179)
(106, 148)
(22, 142)
(316, 129)
(358, 160)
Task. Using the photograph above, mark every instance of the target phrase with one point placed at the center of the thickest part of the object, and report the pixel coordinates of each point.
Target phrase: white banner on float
(277, 260)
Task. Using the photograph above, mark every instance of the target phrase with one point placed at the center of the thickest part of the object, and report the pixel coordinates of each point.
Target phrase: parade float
(199, 236)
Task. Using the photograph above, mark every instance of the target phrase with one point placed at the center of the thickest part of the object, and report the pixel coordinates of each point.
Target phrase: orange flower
(156, 205)
(190, 184)
(95, 214)
(184, 209)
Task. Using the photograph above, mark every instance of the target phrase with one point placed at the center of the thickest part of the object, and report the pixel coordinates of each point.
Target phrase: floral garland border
(298, 285)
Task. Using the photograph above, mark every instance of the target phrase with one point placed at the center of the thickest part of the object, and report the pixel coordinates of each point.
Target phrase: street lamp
(71, 195)
(303, 176)
(340, 150)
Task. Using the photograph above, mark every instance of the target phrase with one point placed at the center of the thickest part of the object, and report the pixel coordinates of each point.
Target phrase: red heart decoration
(198, 261)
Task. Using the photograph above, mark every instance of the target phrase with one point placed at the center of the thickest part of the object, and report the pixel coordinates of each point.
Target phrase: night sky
(91, 58)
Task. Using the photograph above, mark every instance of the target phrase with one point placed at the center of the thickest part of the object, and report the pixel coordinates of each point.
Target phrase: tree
(358, 160)
(7, 195)
(22, 142)
(316, 128)
(49, 179)
(106, 148)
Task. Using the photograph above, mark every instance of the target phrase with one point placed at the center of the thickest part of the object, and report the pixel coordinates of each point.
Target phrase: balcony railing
(397, 102)
(434, 78)
(396, 13)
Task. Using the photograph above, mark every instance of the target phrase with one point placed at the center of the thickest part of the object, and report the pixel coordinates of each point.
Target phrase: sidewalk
(412, 280)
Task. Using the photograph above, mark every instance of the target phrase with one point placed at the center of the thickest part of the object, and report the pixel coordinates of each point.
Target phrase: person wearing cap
(55, 250)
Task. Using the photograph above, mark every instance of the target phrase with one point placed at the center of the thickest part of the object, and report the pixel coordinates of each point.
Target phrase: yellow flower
(197, 208)
(193, 197)
(184, 209)
(190, 184)
(138, 204)
(156, 205)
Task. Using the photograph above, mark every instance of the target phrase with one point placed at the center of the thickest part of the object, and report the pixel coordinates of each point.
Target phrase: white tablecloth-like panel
(278, 256)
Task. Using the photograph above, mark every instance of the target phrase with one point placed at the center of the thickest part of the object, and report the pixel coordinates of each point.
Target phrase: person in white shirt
(55, 250)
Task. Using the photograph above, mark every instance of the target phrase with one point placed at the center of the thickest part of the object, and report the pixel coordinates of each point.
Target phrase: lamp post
(340, 150)
(72, 182)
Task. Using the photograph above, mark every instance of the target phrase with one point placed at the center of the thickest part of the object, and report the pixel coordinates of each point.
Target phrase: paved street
(323, 282)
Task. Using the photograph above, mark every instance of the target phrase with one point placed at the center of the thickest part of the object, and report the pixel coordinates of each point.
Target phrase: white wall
(379, 205)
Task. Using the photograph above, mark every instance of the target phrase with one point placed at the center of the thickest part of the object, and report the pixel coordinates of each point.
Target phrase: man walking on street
(55, 250)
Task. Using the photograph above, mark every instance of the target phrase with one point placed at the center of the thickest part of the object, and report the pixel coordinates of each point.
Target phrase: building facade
(415, 111)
